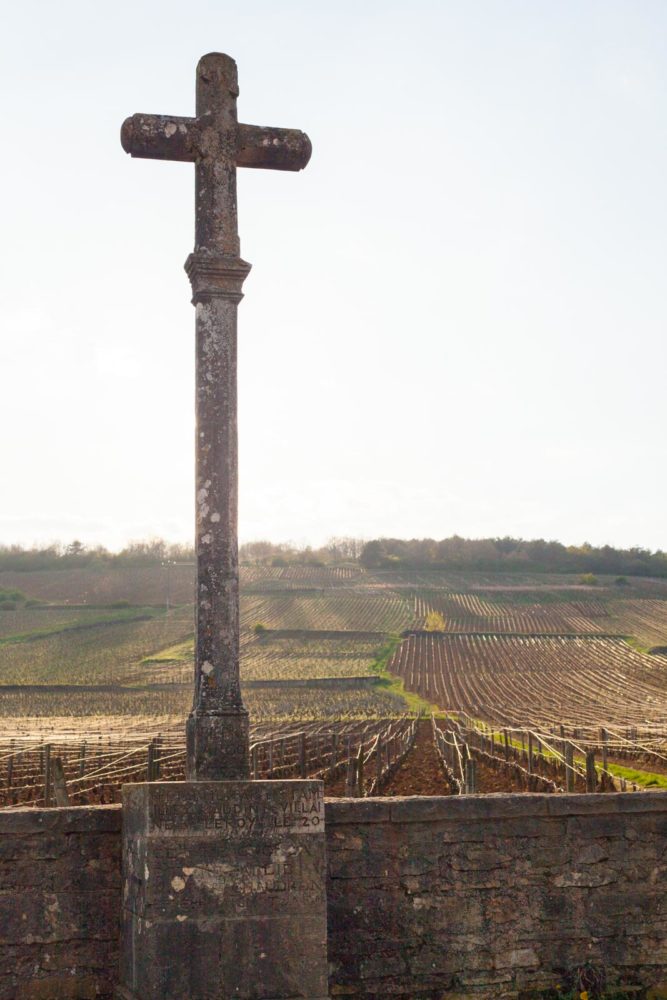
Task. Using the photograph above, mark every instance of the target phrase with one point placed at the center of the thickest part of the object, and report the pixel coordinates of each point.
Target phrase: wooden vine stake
(530, 753)
(59, 783)
(302, 755)
(47, 775)
(569, 767)
(591, 773)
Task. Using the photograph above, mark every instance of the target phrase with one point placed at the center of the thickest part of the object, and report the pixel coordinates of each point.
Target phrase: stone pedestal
(224, 891)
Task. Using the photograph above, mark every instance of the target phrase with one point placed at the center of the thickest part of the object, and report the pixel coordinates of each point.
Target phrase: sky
(455, 321)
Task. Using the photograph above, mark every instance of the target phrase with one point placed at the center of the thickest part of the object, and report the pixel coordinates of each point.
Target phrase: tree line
(156, 551)
(455, 553)
(76, 555)
(510, 555)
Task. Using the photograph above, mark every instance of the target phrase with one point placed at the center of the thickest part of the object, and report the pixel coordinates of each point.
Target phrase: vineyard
(263, 578)
(524, 680)
(38, 710)
(645, 619)
(143, 585)
(473, 613)
(91, 649)
(360, 610)
(523, 760)
(307, 656)
(535, 673)
(356, 758)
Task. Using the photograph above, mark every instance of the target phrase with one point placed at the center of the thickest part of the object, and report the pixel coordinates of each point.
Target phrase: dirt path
(420, 772)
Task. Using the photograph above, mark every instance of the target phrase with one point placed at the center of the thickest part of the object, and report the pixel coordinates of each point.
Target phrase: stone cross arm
(193, 139)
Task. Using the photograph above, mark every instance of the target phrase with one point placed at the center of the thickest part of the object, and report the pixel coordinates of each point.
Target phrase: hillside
(87, 653)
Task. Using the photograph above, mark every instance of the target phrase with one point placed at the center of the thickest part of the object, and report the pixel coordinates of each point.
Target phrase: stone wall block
(358, 812)
(582, 829)
(439, 899)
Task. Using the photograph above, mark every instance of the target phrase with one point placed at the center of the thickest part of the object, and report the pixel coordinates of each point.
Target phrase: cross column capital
(216, 276)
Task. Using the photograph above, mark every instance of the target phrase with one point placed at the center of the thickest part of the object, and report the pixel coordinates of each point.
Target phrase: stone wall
(496, 895)
(486, 896)
(59, 902)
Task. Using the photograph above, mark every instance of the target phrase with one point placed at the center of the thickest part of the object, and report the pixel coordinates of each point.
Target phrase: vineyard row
(360, 754)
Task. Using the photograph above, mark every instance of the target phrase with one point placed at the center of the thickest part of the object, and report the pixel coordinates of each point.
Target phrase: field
(334, 610)
(157, 585)
(353, 756)
(481, 613)
(645, 619)
(89, 710)
(109, 656)
(93, 648)
(528, 681)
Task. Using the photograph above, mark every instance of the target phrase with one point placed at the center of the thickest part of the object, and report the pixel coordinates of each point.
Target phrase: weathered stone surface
(416, 908)
(224, 890)
(217, 729)
(494, 894)
(59, 902)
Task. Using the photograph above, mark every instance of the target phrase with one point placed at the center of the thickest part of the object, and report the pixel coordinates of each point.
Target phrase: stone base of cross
(224, 891)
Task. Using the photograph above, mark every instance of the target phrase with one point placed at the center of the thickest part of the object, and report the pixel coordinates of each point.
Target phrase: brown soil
(489, 780)
(420, 771)
(335, 787)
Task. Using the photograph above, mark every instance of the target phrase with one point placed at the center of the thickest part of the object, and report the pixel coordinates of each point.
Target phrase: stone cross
(217, 728)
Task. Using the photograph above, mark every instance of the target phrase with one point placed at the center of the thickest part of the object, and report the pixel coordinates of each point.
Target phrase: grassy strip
(116, 618)
(383, 656)
(179, 653)
(646, 779)
(635, 644)
(394, 685)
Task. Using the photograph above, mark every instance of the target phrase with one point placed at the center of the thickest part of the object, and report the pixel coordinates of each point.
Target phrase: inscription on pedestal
(242, 813)
(224, 882)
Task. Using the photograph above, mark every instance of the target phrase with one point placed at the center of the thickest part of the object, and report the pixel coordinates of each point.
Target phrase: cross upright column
(224, 879)
(217, 729)
(214, 140)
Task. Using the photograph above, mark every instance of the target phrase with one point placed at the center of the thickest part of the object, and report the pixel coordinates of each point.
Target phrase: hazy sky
(455, 320)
